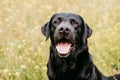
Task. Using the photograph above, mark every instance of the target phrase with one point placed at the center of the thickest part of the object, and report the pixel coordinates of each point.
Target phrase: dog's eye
(57, 22)
(73, 22)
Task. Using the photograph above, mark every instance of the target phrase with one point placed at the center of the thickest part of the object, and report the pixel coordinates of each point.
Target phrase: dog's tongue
(63, 47)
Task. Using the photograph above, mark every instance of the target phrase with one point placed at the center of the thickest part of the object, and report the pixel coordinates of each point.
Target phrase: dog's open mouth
(63, 48)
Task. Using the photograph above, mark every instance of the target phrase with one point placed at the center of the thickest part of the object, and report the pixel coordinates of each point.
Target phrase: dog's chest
(65, 67)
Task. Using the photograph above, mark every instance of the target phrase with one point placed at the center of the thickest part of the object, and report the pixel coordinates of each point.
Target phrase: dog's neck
(81, 64)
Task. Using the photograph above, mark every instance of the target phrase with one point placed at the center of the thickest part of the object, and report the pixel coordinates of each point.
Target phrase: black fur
(78, 65)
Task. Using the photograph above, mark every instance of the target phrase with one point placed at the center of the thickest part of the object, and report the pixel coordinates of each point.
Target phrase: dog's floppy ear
(46, 28)
(87, 32)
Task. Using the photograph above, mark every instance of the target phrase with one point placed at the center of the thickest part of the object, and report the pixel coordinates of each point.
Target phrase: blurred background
(24, 51)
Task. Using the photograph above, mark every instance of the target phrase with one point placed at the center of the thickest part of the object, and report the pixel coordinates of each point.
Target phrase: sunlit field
(24, 51)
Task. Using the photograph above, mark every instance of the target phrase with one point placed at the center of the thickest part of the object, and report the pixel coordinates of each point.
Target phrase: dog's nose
(64, 30)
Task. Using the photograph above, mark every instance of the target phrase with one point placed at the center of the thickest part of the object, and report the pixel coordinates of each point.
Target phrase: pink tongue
(63, 48)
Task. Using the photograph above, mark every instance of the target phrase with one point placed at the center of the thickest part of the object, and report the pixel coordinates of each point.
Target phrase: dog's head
(66, 30)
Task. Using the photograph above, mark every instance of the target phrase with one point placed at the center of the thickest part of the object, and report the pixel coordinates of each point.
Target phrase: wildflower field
(24, 51)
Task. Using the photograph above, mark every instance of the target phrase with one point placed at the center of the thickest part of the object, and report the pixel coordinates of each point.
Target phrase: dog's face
(66, 30)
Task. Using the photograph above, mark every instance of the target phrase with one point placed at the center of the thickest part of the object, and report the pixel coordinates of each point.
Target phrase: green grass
(24, 51)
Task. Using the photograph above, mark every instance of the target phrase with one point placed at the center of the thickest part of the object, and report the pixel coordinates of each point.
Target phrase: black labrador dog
(69, 57)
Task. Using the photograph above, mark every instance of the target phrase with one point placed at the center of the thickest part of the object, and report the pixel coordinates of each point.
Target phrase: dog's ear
(87, 32)
(46, 28)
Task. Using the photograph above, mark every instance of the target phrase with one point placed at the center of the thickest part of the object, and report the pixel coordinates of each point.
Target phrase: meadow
(24, 51)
